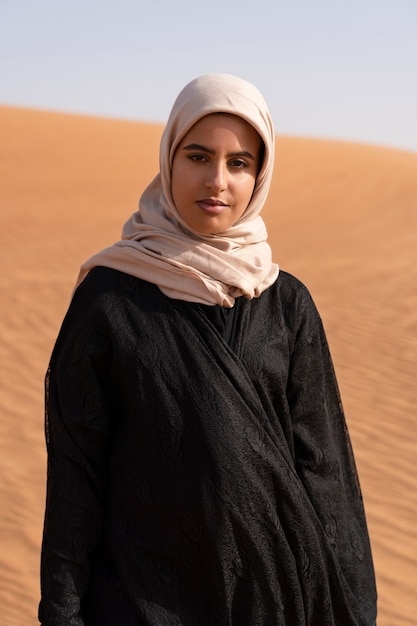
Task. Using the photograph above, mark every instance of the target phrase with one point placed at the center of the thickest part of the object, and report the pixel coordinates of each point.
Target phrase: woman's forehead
(222, 120)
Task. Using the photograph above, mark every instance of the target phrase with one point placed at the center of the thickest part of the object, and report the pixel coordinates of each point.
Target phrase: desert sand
(342, 217)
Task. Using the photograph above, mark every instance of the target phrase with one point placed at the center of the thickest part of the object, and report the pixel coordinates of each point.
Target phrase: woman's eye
(239, 163)
(199, 158)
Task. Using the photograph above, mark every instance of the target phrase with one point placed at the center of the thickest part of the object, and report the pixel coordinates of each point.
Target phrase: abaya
(194, 481)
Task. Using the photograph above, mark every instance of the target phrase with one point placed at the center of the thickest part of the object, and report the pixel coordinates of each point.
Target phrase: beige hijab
(157, 245)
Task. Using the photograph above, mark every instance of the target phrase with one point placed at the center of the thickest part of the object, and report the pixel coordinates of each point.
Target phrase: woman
(199, 466)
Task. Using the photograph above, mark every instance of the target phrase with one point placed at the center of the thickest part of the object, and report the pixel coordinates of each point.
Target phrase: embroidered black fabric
(195, 481)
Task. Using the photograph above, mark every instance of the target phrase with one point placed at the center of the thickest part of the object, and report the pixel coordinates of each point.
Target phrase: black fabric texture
(223, 319)
(196, 481)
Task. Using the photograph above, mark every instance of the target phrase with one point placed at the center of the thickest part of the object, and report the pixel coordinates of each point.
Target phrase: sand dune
(342, 217)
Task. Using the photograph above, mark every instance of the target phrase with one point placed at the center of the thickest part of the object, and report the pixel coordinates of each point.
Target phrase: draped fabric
(194, 481)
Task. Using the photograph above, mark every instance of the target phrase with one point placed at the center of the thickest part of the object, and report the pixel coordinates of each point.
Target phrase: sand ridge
(342, 217)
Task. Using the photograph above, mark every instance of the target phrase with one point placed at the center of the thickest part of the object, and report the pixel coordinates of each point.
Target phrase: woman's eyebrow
(197, 146)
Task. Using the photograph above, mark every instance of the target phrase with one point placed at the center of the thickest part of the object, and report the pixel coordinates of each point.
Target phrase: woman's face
(214, 172)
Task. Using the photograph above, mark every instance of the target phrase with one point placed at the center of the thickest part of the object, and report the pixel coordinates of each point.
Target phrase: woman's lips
(211, 205)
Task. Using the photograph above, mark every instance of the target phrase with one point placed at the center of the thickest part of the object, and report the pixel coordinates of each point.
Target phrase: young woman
(199, 466)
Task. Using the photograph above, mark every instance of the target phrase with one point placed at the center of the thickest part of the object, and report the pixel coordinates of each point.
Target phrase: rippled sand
(342, 217)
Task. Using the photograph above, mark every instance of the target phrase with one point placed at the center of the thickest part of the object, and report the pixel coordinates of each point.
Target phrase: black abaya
(199, 466)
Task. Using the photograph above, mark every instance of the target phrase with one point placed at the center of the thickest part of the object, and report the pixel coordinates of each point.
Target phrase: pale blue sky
(341, 69)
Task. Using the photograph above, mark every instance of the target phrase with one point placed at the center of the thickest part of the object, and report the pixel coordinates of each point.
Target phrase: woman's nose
(217, 177)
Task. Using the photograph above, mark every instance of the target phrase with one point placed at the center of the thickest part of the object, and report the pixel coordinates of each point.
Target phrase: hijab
(159, 247)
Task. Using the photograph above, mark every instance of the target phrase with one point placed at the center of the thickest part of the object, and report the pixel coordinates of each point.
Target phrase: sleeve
(323, 455)
(78, 433)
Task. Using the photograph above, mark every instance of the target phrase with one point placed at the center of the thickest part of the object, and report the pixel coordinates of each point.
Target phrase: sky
(333, 69)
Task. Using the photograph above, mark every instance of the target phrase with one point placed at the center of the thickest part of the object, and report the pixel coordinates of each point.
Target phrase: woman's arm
(323, 455)
(78, 425)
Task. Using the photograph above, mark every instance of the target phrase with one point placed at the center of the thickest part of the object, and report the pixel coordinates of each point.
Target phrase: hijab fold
(159, 247)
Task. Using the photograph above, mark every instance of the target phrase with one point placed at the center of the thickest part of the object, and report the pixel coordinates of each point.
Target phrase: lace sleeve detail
(323, 454)
(77, 427)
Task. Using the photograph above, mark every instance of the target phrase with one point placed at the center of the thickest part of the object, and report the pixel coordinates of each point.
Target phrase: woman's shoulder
(105, 283)
(106, 294)
(290, 289)
(100, 303)
(290, 301)
(103, 279)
